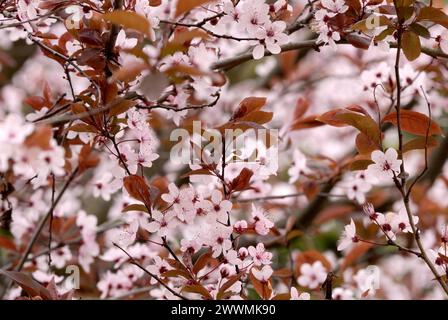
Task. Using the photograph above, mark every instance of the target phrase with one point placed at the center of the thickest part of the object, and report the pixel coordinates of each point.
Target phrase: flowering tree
(198, 149)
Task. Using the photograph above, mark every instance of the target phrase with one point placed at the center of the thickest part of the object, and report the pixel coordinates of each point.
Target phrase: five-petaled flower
(386, 165)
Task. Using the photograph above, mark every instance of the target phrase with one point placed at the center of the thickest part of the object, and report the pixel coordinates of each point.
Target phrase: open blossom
(262, 224)
(349, 236)
(312, 275)
(158, 268)
(220, 240)
(296, 296)
(220, 208)
(342, 294)
(356, 187)
(254, 15)
(386, 222)
(260, 255)
(162, 223)
(271, 37)
(328, 36)
(334, 6)
(401, 221)
(264, 274)
(386, 165)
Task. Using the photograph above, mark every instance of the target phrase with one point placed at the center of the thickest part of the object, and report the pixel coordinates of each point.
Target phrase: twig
(284, 196)
(134, 262)
(44, 220)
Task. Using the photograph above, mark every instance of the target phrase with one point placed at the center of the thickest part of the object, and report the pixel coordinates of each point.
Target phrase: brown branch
(110, 45)
(230, 63)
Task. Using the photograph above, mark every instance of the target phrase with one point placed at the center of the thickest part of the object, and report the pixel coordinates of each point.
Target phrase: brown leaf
(138, 189)
(129, 72)
(264, 290)
(40, 138)
(305, 123)
(7, 243)
(434, 15)
(364, 144)
(363, 123)
(333, 212)
(330, 118)
(420, 143)
(121, 107)
(90, 37)
(202, 261)
(36, 102)
(230, 282)
(129, 20)
(87, 158)
(242, 181)
(28, 284)
(411, 45)
(184, 6)
(355, 253)
(414, 122)
(197, 288)
(135, 207)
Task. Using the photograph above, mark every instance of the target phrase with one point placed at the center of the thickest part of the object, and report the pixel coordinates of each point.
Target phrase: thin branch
(292, 195)
(230, 63)
(134, 262)
(422, 173)
(44, 220)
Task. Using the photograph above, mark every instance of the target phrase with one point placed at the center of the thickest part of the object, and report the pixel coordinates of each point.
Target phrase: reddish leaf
(358, 250)
(138, 189)
(419, 143)
(411, 45)
(242, 181)
(7, 243)
(197, 288)
(414, 122)
(40, 138)
(185, 6)
(434, 15)
(264, 289)
(202, 261)
(90, 37)
(129, 20)
(364, 144)
(87, 158)
(333, 212)
(36, 102)
(28, 284)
